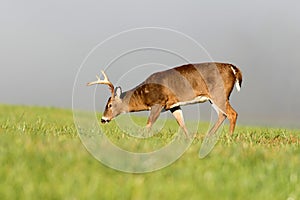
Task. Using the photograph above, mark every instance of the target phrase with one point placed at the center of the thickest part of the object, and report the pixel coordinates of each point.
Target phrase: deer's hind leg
(221, 118)
(219, 108)
(232, 116)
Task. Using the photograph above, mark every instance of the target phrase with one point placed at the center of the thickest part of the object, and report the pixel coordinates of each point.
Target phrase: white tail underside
(237, 85)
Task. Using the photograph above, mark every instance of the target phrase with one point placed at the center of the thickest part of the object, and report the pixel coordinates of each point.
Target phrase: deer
(170, 89)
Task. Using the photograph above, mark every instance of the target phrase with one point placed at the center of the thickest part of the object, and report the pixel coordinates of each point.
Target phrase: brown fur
(180, 84)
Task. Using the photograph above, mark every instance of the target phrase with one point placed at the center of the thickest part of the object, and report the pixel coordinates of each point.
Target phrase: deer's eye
(110, 105)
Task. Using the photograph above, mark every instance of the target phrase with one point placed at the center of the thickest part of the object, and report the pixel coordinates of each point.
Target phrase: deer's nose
(104, 120)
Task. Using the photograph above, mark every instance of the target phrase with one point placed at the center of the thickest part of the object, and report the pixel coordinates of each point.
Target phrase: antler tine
(105, 81)
(98, 78)
(105, 77)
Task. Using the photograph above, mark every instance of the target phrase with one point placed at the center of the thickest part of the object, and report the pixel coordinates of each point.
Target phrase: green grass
(41, 157)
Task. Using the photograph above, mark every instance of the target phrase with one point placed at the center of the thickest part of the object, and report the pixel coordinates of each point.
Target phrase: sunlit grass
(42, 157)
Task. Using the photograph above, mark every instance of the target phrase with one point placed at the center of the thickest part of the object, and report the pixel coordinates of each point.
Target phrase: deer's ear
(118, 92)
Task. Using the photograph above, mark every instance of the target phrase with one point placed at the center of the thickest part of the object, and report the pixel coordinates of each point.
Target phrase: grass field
(42, 157)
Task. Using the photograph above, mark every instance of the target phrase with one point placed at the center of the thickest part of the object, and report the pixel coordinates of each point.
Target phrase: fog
(44, 43)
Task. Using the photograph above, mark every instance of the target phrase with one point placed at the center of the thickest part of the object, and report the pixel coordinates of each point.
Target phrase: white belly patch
(198, 99)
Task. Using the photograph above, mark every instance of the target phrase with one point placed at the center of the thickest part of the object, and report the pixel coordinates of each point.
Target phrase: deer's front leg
(154, 114)
(177, 113)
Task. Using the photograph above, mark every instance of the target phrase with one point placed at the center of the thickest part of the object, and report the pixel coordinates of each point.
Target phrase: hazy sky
(43, 44)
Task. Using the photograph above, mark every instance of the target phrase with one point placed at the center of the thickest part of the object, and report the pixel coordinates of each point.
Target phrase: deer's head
(114, 105)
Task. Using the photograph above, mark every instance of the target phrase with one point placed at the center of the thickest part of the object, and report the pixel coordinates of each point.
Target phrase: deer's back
(187, 82)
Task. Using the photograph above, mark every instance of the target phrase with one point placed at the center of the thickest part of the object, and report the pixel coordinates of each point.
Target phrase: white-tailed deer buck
(170, 89)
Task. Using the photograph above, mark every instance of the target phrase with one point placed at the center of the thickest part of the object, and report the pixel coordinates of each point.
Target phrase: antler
(105, 81)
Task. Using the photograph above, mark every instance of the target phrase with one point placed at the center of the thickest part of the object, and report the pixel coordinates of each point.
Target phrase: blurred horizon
(43, 45)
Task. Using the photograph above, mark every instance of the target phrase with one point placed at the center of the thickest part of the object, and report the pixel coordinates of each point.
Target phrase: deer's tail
(238, 77)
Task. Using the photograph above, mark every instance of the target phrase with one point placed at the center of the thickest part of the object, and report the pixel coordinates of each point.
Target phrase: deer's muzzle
(104, 120)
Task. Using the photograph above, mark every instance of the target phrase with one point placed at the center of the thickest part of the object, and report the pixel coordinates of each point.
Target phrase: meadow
(42, 157)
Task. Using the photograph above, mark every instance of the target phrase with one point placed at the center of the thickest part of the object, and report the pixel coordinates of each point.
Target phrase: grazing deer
(170, 89)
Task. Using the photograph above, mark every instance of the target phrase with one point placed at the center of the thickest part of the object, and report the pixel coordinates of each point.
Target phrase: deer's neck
(133, 101)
